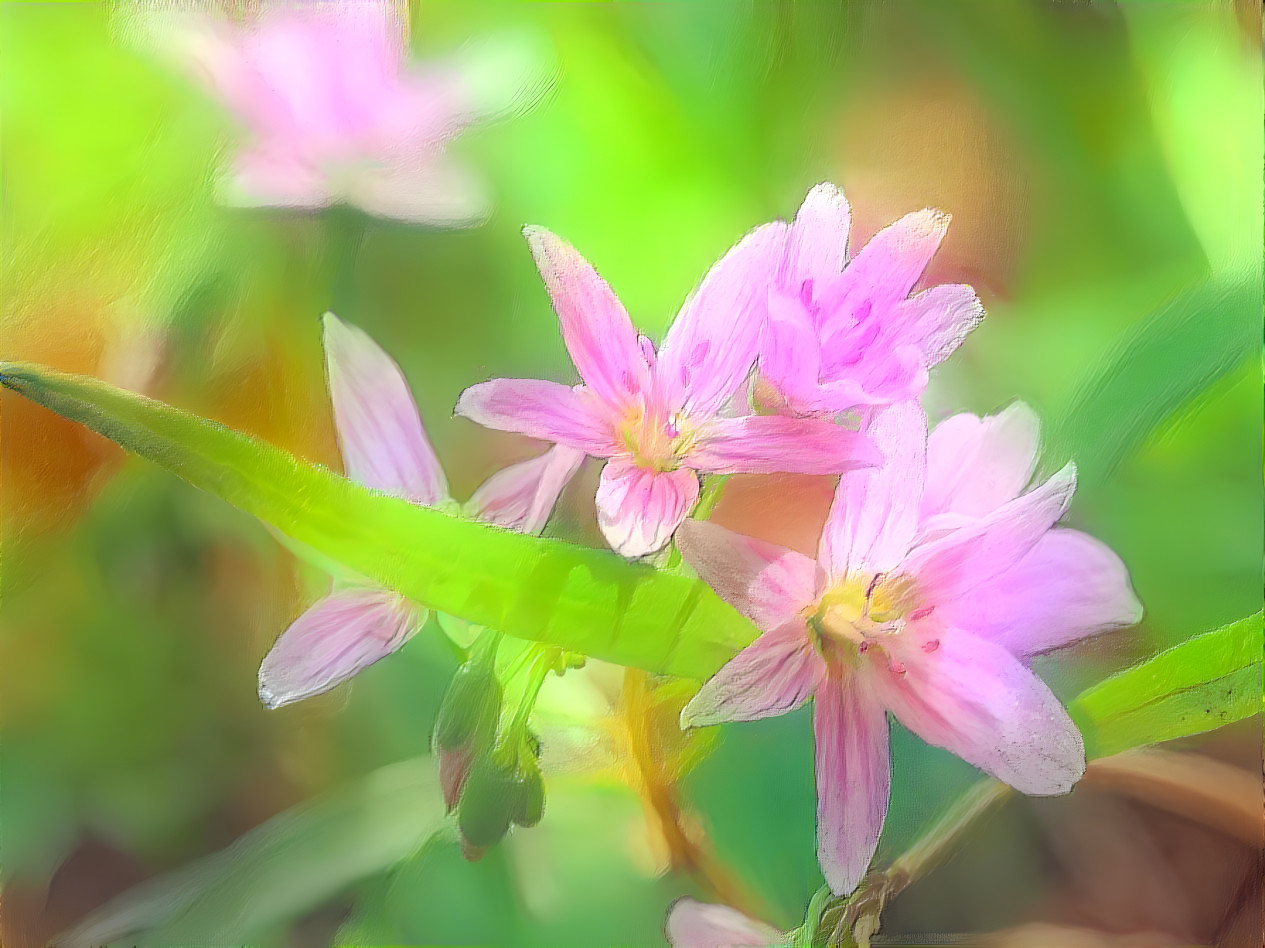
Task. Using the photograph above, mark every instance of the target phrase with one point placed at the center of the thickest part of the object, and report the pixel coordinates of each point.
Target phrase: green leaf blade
(580, 599)
(1207, 681)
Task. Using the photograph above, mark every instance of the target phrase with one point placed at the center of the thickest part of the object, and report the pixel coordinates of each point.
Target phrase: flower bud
(529, 792)
(470, 708)
(488, 803)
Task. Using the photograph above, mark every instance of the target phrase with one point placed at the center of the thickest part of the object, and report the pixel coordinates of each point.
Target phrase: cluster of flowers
(938, 574)
(940, 570)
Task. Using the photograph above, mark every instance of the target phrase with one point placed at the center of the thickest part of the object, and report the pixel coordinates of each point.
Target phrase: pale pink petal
(887, 268)
(957, 563)
(522, 496)
(595, 326)
(974, 698)
(790, 353)
(715, 337)
(383, 443)
(853, 777)
(275, 178)
(638, 508)
(1067, 587)
(768, 444)
(333, 640)
(774, 674)
(874, 516)
(938, 319)
(818, 238)
(437, 192)
(545, 410)
(700, 925)
(974, 465)
(898, 375)
(768, 584)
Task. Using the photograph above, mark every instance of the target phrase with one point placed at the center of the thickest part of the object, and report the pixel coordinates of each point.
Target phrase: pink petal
(938, 319)
(383, 443)
(333, 640)
(595, 327)
(774, 674)
(545, 410)
(874, 516)
(957, 563)
(715, 337)
(768, 444)
(1067, 587)
(974, 698)
(790, 352)
(275, 178)
(522, 496)
(437, 192)
(694, 924)
(638, 508)
(768, 584)
(888, 266)
(818, 238)
(974, 465)
(853, 776)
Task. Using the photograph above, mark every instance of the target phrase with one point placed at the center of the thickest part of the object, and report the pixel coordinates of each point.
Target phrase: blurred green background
(1102, 163)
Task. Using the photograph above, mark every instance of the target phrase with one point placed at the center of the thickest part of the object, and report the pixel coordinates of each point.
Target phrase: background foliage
(1103, 166)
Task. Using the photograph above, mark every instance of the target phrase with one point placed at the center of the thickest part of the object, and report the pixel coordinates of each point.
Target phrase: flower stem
(856, 918)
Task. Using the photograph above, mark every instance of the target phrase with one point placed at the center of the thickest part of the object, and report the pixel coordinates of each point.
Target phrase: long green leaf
(1207, 681)
(585, 600)
(279, 870)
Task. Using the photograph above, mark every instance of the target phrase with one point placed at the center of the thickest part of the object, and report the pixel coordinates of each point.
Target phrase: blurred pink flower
(333, 110)
(656, 415)
(843, 332)
(936, 576)
(694, 924)
(385, 447)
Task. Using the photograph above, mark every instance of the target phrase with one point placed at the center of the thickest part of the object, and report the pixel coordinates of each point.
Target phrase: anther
(930, 645)
(920, 613)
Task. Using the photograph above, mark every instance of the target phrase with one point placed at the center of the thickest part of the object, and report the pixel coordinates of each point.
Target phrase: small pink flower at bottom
(844, 332)
(694, 924)
(936, 577)
(385, 447)
(656, 415)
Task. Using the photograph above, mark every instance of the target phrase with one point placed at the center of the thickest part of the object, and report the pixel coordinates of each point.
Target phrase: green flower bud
(529, 790)
(470, 709)
(488, 803)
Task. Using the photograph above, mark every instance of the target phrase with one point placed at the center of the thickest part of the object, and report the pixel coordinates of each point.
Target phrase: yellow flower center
(860, 612)
(654, 442)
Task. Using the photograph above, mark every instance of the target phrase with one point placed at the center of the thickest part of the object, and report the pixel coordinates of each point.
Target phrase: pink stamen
(897, 668)
(930, 645)
(864, 646)
(921, 613)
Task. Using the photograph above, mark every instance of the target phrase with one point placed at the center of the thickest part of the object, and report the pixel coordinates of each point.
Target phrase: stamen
(897, 668)
(647, 350)
(930, 645)
(920, 613)
(864, 647)
(869, 590)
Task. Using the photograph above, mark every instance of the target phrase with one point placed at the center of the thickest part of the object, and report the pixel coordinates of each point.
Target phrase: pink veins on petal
(843, 331)
(655, 412)
(924, 601)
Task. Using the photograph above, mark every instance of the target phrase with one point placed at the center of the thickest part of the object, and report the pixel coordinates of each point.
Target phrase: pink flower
(936, 577)
(694, 924)
(656, 415)
(385, 447)
(333, 111)
(844, 332)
